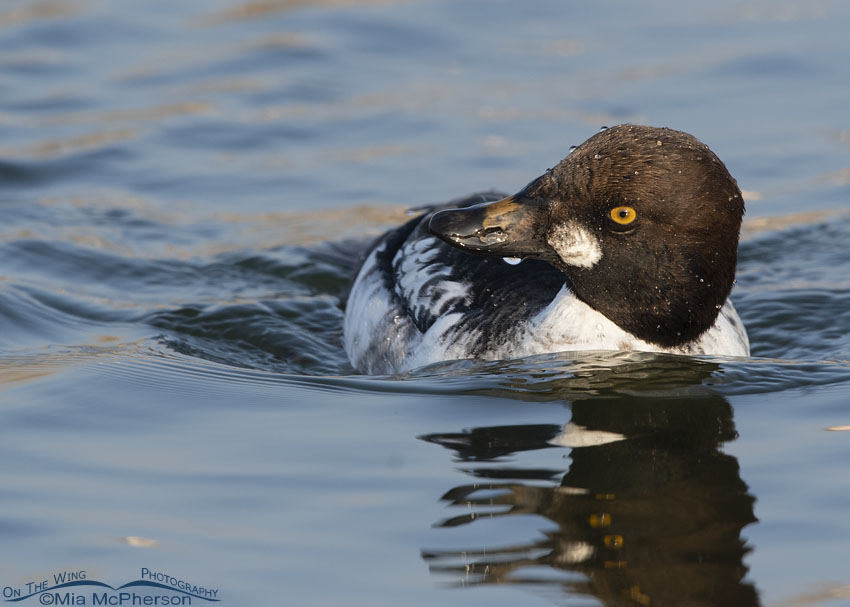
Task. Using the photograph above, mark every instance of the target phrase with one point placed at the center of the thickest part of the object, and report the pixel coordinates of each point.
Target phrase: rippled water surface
(187, 188)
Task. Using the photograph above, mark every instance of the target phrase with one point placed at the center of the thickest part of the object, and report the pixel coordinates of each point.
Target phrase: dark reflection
(650, 511)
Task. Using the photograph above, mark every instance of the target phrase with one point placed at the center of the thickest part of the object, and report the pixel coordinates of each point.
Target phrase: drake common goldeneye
(629, 243)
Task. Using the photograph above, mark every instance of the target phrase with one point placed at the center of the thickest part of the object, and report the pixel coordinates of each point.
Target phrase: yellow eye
(623, 215)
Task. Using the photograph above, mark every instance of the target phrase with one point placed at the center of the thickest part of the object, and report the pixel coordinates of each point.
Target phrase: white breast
(570, 324)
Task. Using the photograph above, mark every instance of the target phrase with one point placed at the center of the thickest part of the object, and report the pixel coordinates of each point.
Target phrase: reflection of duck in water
(650, 511)
(631, 244)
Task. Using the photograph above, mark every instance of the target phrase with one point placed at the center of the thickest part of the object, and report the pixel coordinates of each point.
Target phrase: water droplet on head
(512, 261)
(702, 279)
(603, 128)
(397, 319)
(572, 147)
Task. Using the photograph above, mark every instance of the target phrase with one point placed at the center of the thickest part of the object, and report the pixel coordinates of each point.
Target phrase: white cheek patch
(575, 245)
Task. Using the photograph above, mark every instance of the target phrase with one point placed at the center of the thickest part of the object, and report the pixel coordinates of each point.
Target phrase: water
(186, 188)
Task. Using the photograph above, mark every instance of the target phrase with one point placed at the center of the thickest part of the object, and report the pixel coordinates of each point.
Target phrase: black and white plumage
(629, 243)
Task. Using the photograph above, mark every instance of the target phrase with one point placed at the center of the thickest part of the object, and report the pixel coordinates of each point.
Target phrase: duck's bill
(511, 227)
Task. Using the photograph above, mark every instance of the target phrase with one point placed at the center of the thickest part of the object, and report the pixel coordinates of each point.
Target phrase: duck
(629, 243)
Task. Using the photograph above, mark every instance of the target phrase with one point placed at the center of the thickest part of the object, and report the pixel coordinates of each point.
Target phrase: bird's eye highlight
(623, 215)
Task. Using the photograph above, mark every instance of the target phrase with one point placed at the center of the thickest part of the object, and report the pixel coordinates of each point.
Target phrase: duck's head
(643, 221)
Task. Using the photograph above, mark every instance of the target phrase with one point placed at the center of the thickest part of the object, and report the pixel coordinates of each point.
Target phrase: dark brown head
(643, 221)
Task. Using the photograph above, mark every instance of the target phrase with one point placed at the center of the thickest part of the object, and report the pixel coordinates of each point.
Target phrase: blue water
(185, 188)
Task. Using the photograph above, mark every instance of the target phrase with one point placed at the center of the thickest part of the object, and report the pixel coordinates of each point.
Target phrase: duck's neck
(668, 305)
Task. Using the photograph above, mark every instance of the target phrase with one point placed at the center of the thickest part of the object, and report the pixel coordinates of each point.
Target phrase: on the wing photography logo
(74, 587)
